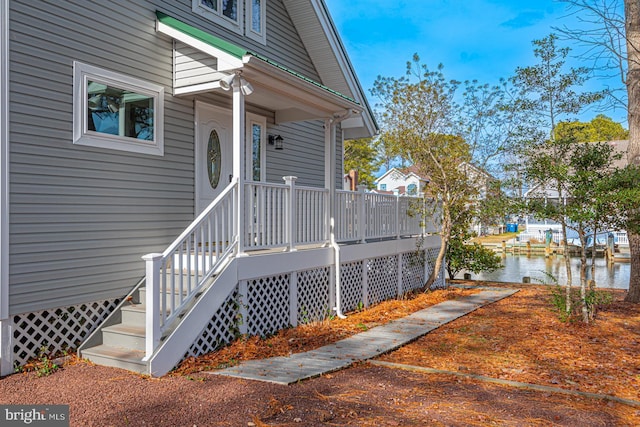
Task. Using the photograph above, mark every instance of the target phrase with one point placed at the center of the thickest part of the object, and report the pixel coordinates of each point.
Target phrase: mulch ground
(519, 338)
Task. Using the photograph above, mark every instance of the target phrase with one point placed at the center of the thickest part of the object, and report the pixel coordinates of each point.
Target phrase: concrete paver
(363, 346)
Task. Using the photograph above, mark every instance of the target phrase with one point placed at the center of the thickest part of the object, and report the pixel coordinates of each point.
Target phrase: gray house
(169, 175)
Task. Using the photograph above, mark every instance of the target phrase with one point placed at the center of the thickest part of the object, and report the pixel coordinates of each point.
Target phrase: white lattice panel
(221, 329)
(56, 329)
(382, 279)
(412, 271)
(432, 254)
(313, 295)
(267, 303)
(351, 286)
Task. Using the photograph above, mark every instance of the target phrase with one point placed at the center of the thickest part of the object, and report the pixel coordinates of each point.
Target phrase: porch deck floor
(363, 346)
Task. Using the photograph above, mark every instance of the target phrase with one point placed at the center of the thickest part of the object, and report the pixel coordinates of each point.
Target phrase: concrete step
(134, 315)
(176, 296)
(124, 335)
(117, 357)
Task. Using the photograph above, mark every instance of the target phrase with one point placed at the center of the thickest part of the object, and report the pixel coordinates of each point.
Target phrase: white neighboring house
(404, 181)
(409, 181)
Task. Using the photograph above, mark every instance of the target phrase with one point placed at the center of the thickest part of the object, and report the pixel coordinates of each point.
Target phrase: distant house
(401, 181)
(536, 227)
(170, 177)
(411, 181)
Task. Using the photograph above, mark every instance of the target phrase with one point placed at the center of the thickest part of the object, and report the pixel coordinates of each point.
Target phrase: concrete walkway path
(365, 345)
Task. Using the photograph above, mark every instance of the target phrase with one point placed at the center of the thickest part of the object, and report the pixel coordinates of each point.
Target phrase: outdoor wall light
(276, 141)
(227, 82)
(245, 87)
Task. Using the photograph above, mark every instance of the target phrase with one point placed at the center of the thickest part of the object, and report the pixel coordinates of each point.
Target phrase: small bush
(594, 300)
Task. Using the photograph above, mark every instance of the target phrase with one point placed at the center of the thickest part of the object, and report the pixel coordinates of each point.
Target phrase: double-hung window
(242, 16)
(112, 110)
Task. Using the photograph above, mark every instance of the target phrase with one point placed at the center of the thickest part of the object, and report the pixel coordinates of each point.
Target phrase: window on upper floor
(383, 187)
(241, 16)
(112, 110)
(412, 189)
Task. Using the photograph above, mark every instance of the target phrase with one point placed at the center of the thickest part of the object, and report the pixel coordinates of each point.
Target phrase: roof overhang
(322, 41)
(290, 95)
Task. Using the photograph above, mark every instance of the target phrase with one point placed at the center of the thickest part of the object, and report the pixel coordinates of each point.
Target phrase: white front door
(214, 153)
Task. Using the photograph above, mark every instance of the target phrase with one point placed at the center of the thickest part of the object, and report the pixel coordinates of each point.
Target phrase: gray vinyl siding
(81, 217)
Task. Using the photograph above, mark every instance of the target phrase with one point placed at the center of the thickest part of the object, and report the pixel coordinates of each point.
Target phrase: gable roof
(403, 172)
(324, 45)
(325, 49)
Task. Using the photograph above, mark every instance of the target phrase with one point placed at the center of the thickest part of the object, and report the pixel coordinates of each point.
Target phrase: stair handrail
(214, 227)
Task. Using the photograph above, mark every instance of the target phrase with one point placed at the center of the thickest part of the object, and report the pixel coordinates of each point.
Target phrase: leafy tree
(465, 255)
(581, 173)
(600, 128)
(591, 165)
(420, 119)
(362, 155)
(547, 91)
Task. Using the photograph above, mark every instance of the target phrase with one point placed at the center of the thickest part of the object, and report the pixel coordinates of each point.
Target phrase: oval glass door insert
(214, 160)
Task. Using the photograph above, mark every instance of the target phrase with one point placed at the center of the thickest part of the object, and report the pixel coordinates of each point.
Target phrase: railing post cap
(152, 257)
(289, 178)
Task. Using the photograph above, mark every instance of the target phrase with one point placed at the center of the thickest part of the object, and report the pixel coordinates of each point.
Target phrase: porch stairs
(120, 341)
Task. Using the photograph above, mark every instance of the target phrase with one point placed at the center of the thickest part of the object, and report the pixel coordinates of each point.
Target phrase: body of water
(543, 270)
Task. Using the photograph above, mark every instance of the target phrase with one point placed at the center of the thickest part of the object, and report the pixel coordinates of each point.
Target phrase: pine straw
(521, 338)
(317, 334)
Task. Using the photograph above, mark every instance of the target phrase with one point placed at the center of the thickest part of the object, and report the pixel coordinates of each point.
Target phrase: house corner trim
(4, 159)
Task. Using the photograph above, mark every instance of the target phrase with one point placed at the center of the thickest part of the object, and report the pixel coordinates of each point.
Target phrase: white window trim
(218, 17)
(254, 119)
(260, 37)
(241, 26)
(81, 136)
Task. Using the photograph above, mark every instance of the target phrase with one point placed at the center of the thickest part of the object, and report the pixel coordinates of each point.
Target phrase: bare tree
(600, 31)
(632, 27)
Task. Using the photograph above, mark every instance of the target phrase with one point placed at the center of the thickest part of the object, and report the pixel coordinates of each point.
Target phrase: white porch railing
(361, 216)
(275, 216)
(275, 212)
(177, 274)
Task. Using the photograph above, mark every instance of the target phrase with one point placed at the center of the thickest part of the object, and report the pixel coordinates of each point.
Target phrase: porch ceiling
(291, 96)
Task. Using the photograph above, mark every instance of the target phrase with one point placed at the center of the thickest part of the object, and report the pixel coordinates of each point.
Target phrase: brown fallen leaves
(520, 338)
(313, 335)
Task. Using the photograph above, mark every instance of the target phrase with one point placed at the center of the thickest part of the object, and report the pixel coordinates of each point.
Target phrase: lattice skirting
(413, 264)
(56, 329)
(264, 305)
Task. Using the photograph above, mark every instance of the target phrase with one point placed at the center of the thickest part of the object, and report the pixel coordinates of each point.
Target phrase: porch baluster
(361, 215)
(291, 213)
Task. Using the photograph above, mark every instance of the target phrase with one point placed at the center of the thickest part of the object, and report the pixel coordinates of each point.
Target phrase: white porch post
(6, 348)
(152, 303)
(239, 159)
(330, 175)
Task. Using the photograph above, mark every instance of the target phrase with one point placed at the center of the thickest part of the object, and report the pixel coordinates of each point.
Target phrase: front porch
(278, 264)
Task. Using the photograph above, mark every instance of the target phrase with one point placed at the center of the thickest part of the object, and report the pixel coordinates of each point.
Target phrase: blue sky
(473, 39)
